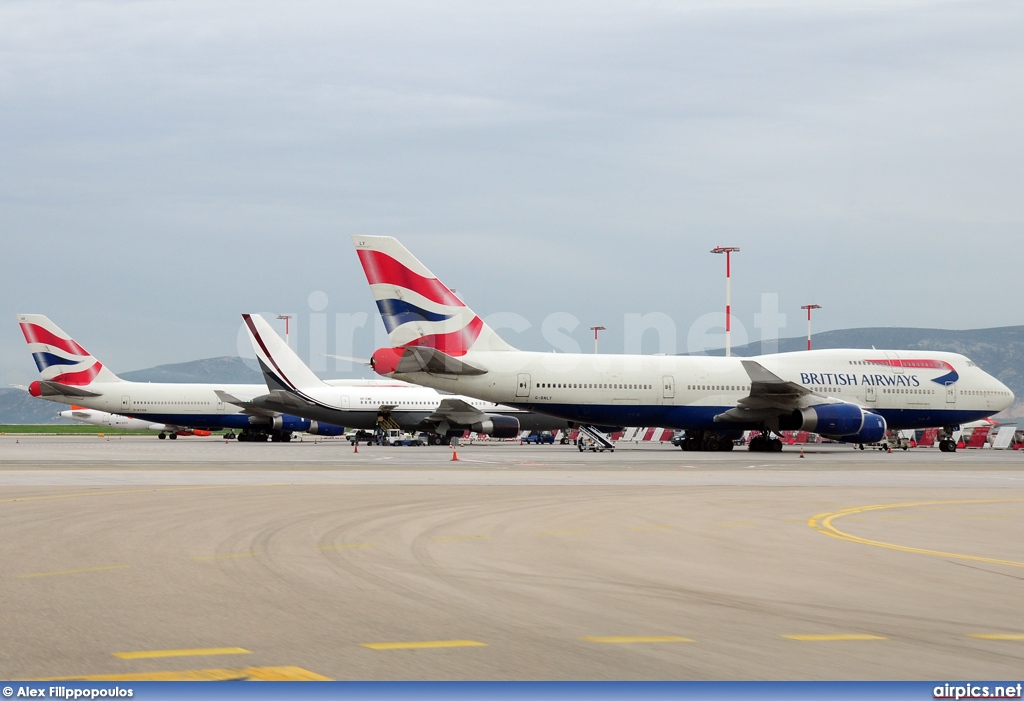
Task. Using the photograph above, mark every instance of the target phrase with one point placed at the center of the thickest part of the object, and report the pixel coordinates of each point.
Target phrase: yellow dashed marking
(997, 636)
(559, 532)
(462, 537)
(649, 528)
(78, 571)
(227, 557)
(195, 652)
(348, 547)
(621, 640)
(424, 645)
(823, 523)
(262, 674)
(833, 638)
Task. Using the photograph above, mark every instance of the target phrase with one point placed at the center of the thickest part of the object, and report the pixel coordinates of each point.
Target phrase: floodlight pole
(728, 251)
(287, 318)
(809, 307)
(596, 329)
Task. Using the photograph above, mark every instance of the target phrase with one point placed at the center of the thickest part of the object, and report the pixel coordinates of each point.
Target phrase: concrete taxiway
(134, 556)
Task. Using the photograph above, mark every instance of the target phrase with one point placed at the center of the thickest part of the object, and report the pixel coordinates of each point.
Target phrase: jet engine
(841, 419)
(498, 426)
(285, 422)
(319, 429)
(872, 431)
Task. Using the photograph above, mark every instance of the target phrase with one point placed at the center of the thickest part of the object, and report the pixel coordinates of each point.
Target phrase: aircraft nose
(1010, 398)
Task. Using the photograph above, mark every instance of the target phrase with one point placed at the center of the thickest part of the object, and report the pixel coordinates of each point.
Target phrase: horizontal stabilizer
(56, 389)
(422, 359)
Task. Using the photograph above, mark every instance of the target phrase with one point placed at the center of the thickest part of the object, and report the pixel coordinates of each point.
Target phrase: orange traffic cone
(890, 449)
(455, 454)
(960, 445)
(355, 447)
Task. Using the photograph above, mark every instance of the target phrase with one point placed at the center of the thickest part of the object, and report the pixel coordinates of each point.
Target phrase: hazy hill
(19, 407)
(227, 369)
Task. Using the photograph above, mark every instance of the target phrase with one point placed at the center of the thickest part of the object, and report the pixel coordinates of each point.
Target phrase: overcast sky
(165, 166)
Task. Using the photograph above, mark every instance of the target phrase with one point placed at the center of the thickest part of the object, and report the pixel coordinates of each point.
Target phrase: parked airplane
(848, 395)
(295, 389)
(70, 375)
(127, 423)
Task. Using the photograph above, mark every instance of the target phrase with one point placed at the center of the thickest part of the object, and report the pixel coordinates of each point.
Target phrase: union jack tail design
(58, 357)
(417, 308)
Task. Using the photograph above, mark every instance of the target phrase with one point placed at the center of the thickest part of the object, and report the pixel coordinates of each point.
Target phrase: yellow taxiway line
(626, 640)
(194, 652)
(424, 645)
(78, 571)
(260, 674)
(824, 524)
(833, 638)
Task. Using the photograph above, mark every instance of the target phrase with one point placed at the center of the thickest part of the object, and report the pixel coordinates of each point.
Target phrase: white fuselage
(911, 389)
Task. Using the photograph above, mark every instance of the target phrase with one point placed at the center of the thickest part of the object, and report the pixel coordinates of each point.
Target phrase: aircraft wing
(248, 405)
(455, 411)
(770, 395)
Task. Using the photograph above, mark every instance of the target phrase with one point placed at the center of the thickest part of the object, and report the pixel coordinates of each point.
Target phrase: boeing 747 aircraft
(70, 375)
(849, 395)
(295, 389)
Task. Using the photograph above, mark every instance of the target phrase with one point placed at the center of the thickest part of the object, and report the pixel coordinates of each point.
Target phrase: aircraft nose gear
(946, 442)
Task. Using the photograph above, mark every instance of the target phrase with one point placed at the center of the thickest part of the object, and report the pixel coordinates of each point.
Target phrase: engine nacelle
(842, 419)
(872, 432)
(287, 422)
(498, 426)
(319, 429)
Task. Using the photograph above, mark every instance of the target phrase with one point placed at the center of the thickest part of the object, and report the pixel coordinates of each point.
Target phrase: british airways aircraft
(849, 395)
(296, 389)
(71, 375)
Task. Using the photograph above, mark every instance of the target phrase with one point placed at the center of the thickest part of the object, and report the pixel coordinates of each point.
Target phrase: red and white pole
(728, 251)
(809, 307)
(596, 329)
(287, 318)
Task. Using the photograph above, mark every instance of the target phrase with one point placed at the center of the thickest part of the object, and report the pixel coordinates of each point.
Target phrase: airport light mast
(809, 307)
(287, 318)
(596, 330)
(728, 251)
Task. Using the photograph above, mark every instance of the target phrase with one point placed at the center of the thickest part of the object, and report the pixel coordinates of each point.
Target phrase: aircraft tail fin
(418, 309)
(282, 367)
(59, 358)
